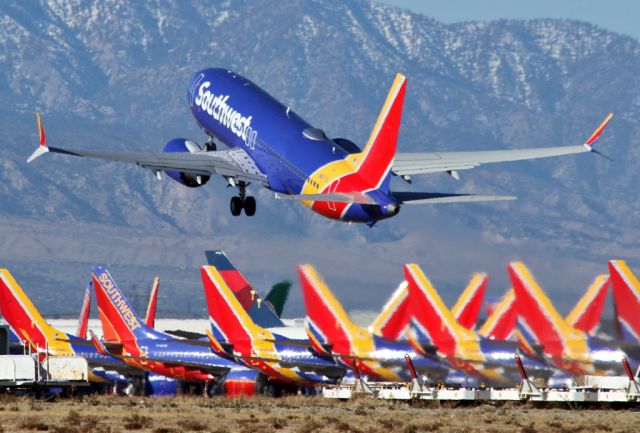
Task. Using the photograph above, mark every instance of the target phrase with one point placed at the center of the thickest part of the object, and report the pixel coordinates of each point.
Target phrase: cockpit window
(315, 134)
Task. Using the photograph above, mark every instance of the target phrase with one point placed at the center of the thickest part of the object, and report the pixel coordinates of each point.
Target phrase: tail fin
(120, 323)
(150, 317)
(83, 320)
(435, 319)
(20, 313)
(546, 325)
(277, 296)
(585, 316)
(230, 322)
(327, 322)
(469, 303)
(260, 312)
(502, 320)
(393, 320)
(373, 164)
(626, 295)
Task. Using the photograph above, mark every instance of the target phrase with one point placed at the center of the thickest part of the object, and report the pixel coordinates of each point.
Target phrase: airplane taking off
(271, 146)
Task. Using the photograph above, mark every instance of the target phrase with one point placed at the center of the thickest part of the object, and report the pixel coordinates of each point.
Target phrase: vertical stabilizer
(502, 320)
(585, 316)
(626, 295)
(469, 303)
(150, 317)
(83, 320)
(393, 320)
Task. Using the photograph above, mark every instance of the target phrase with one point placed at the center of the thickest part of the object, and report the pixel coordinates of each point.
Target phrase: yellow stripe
(575, 343)
(467, 294)
(398, 296)
(504, 304)
(628, 276)
(600, 128)
(586, 299)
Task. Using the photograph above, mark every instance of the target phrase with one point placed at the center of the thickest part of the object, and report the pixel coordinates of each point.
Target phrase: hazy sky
(621, 16)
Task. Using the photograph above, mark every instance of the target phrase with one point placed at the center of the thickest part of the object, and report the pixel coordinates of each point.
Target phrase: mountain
(115, 76)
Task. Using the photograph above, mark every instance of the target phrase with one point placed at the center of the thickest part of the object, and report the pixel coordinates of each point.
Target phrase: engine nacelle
(347, 145)
(157, 385)
(187, 179)
(243, 382)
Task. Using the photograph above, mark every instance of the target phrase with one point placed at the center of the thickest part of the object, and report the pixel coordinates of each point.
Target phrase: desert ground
(103, 414)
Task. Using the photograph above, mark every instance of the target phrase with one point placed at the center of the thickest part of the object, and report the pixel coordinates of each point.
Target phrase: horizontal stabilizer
(408, 197)
(335, 197)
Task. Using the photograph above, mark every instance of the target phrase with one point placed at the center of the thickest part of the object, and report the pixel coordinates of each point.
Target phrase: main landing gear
(241, 201)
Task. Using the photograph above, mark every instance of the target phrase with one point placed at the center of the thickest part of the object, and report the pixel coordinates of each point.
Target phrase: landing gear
(242, 202)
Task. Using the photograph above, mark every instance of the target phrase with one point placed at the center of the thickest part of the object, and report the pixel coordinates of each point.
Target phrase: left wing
(235, 163)
(406, 164)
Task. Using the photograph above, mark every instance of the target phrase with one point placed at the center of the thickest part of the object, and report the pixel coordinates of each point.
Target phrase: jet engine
(187, 179)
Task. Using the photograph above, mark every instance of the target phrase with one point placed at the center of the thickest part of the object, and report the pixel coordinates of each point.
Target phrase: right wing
(406, 164)
(235, 163)
(409, 197)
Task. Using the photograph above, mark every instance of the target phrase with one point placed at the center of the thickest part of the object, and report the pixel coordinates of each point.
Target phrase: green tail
(278, 295)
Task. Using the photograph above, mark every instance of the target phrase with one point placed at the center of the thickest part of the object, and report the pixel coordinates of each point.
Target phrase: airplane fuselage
(295, 157)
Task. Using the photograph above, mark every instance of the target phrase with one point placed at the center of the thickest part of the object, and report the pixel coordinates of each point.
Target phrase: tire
(250, 206)
(235, 206)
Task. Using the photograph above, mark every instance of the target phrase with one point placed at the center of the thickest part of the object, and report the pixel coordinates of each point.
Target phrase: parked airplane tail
(327, 322)
(469, 303)
(150, 317)
(373, 164)
(626, 295)
(435, 320)
(545, 324)
(260, 312)
(585, 316)
(83, 320)
(230, 321)
(20, 313)
(277, 296)
(120, 323)
(393, 320)
(502, 319)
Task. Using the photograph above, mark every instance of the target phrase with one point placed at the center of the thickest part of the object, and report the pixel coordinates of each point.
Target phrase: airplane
(43, 339)
(573, 350)
(152, 306)
(281, 360)
(271, 146)
(626, 295)
(128, 338)
(393, 320)
(332, 333)
(434, 325)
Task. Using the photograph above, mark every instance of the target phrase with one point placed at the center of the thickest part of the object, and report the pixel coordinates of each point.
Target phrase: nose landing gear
(241, 201)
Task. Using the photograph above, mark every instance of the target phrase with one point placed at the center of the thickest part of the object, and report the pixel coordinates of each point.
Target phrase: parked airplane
(271, 146)
(434, 325)
(282, 360)
(393, 320)
(332, 332)
(128, 338)
(571, 349)
(35, 332)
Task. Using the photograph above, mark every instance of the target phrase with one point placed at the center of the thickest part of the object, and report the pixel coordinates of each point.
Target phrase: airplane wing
(235, 163)
(409, 197)
(335, 197)
(406, 164)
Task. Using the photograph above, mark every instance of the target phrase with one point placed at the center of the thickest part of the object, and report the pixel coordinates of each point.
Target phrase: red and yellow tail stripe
(626, 295)
(559, 340)
(596, 134)
(25, 319)
(586, 314)
(393, 320)
(467, 309)
(502, 320)
(150, 317)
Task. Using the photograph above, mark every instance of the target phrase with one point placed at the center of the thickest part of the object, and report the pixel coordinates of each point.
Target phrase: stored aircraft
(271, 146)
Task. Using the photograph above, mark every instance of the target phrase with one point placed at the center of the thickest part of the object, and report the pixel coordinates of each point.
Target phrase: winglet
(42, 148)
(596, 134)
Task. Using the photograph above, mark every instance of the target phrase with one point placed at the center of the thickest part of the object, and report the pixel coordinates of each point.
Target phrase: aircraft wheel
(250, 206)
(235, 206)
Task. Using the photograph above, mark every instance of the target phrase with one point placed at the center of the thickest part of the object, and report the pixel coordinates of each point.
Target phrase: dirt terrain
(297, 414)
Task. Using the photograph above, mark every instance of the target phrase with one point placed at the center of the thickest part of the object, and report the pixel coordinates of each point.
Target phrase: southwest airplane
(332, 333)
(626, 296)
(571, 349)
(270, 145)
(284, 361)
(34, 331)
